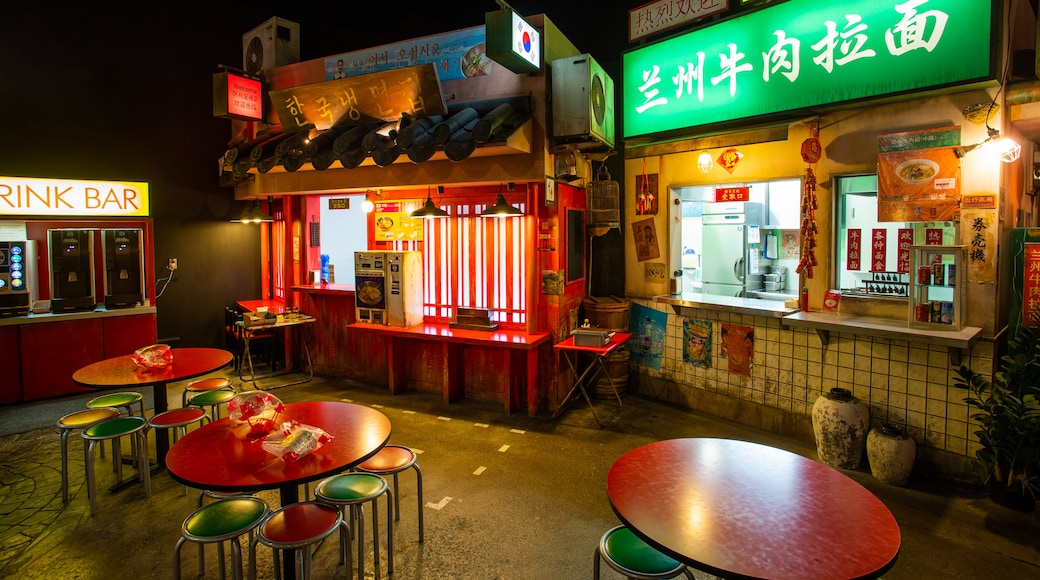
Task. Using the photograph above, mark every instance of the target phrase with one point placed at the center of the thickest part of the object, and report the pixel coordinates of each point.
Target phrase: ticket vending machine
(124, 265)
(71, 269)
(18, 291)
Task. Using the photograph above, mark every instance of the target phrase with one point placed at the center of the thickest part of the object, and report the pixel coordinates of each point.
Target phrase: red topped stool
(178, 420)
(202, 385)
(297, 526)
(391, 460)
(71, 422)
(630, 555)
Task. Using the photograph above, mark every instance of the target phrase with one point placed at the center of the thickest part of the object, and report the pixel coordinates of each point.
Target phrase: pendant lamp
(430, 210)
(501, 207)
(253, 215)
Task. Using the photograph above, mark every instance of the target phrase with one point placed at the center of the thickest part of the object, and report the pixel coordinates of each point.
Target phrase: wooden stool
(71, 422)
(202, 385)
(114, 429)
(353, 490)
(217, 523)
(295, 526)
(629, 555)
(391, 460)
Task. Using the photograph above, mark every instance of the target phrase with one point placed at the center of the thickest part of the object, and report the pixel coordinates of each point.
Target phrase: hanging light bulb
(430, 209)
(368, 206)
(501, 207)
(704, 162)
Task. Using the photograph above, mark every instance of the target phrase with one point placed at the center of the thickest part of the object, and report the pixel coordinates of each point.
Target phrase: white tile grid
(909, 384)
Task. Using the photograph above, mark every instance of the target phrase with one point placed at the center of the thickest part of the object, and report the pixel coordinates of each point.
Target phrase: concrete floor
(509, 497)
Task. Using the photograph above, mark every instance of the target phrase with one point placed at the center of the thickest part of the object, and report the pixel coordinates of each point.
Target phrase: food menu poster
(394, 223)
(918, 176)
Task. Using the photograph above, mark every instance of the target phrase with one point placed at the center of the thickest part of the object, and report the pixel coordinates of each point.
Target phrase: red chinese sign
(730, 158)
(853, 244)
(906, 240)
(1031, 287)
(733, 193)
(878, 250)
(933, 236)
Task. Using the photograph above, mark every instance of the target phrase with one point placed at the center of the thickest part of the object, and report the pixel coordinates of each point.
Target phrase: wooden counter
(405, 357)
(39, 353)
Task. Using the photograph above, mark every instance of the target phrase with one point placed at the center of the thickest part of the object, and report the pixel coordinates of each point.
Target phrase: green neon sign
(801, 54)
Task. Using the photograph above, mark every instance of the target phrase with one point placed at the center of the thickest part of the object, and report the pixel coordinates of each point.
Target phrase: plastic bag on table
(258, 408)
(153, 357)
(295, 440)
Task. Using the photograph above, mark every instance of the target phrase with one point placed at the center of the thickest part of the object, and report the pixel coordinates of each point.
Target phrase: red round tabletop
(122, 372)
(222, 456)
(744, 510)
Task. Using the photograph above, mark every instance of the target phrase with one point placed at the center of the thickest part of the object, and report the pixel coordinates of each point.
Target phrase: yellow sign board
(27, 196)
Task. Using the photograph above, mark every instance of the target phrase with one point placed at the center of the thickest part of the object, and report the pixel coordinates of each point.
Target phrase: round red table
(222, 456)
(744, 510)
(121, 372)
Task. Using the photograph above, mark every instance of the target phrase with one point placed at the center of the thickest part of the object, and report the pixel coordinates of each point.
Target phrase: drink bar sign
(23, 196)
(799, 54)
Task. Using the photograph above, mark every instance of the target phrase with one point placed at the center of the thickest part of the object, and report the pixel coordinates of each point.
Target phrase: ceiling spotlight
(254, 215)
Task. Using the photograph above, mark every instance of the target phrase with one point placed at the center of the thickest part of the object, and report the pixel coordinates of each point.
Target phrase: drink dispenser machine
(72, 269)
(17, 277)
(124, 283)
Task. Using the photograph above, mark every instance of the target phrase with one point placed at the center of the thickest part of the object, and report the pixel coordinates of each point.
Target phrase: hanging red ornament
(730, 158)
(812, 151)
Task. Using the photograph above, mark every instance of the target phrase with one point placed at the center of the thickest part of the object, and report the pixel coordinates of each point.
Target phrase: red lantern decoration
(812, 151)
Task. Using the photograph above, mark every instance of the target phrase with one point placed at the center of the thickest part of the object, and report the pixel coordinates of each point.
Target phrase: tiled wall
(906, 383)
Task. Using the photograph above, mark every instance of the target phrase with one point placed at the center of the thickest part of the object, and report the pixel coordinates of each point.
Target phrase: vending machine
(71, 270)
(124, 267)
(370, 286)
(18, 290)
(404, 303)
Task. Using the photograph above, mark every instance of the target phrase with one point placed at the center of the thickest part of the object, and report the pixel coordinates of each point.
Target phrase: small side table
(594, 368)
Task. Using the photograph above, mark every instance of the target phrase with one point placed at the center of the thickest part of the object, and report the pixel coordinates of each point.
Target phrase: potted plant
(1007, 411)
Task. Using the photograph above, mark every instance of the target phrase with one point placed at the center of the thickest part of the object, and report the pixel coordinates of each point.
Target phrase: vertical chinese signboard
(906, 240)
(879, 250)
(855, 251)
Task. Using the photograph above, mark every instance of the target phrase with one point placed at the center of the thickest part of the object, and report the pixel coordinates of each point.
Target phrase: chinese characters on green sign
(803, 53)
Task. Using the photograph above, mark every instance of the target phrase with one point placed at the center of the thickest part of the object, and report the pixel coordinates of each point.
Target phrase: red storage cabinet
(53, 351)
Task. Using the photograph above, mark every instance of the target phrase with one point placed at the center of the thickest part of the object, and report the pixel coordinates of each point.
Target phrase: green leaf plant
(1007, 411)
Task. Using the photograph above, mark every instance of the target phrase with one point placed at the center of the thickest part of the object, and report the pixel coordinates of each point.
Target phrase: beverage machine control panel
(17, 277)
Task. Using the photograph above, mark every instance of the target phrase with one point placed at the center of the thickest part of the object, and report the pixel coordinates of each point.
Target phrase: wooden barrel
(617, 369)
(608, 312)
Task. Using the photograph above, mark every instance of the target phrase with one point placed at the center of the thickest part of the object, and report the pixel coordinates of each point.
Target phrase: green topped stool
(631, 556)
(203, 385)
(124, 400)
(297, 527)
(216, 523)
(352, 491)
(71, 422)
(114, 429)
(212, 399)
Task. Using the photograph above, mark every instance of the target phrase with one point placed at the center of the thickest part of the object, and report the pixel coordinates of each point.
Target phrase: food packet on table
(295, 440)
(153, 357)
(258, 408)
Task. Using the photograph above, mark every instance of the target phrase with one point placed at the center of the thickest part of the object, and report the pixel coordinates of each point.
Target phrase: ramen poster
(918, 176)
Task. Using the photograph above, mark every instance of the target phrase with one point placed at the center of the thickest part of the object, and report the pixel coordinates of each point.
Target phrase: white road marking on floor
(484, 425)
(439, 505)
(417, 451)
(503, 449)
(374, 406)
(347, 400)
(408, 412)
(480, 470)
(444, 418)
(520, 431)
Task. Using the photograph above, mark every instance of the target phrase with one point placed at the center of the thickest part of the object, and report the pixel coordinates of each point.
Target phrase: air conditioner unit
(582, 103)
(274, 43)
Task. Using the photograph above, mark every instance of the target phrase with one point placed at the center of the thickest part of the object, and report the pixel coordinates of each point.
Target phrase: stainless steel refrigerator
(724, 260)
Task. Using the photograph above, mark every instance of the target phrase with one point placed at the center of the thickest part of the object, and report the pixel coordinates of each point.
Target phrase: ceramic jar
(840, 423)
(891, 453)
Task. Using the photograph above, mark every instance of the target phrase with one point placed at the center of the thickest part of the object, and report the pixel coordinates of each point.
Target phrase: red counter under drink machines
(18, 290)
